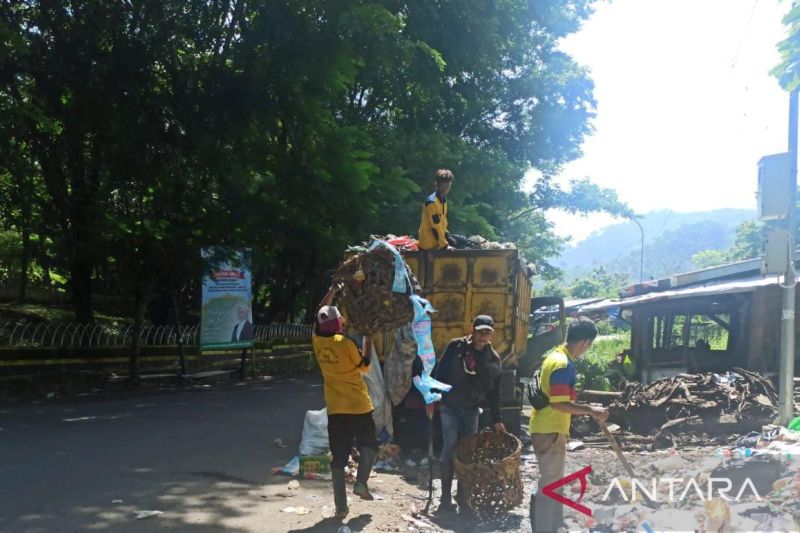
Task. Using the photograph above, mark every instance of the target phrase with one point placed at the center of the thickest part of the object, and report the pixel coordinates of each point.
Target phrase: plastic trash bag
(381, 408)
(399, 362)
(315, 433)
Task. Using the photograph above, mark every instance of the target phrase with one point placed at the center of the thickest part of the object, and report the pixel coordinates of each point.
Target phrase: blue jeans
(456, 424)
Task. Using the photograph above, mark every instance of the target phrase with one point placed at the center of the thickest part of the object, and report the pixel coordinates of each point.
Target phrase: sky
(685, 103)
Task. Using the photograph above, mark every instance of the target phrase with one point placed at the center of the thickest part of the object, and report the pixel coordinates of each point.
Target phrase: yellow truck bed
(464, 283)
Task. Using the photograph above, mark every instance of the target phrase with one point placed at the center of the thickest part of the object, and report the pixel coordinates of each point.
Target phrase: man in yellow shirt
(549, 425)
(347, 400)
(433, 233)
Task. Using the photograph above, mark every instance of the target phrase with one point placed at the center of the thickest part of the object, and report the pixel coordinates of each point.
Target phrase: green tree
(709, 258)
(748, 241)
(746, 245)
(138, 132)
(599, 284)
(788, 70)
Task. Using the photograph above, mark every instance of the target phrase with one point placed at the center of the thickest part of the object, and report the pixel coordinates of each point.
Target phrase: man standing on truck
(433, 234)
(549, 425)
(347, 400)
(472, 367)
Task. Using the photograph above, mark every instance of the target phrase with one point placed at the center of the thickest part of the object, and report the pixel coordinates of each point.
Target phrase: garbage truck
(461, 284)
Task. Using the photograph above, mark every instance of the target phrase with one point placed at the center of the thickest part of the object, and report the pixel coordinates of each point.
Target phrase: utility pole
(786, 376)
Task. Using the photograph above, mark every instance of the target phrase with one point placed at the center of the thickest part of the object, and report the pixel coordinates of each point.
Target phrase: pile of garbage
(406, 243)
(388, 459)
(403, 243)
(476, 242)
(368, 292)
(695, 399)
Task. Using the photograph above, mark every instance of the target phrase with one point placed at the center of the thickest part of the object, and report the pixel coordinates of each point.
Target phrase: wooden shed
(710, 320)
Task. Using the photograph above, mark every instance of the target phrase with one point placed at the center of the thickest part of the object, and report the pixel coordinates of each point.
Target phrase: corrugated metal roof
(708, 289)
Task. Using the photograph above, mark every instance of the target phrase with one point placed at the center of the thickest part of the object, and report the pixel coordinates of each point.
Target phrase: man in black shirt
(472, 367)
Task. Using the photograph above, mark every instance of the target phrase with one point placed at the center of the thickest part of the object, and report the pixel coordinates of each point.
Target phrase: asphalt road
(202, 456)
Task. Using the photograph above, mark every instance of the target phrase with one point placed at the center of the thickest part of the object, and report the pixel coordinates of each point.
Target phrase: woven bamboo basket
(487, 465)
(367, 297)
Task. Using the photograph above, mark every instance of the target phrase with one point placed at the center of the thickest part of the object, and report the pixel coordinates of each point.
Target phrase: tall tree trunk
(24, 263)
(44, 260)
(81, 284)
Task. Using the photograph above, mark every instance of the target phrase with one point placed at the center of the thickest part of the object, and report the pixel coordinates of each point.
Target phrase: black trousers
(346, 431)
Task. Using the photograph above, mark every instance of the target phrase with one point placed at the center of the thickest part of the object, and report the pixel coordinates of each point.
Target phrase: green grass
(605, 348)
(594, 367)
(48, 313)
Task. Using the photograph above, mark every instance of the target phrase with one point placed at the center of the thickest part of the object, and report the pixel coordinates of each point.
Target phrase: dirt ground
(202, 457)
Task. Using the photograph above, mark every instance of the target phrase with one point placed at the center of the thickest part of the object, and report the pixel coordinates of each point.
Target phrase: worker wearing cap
(472, 367)
(347, 400)
(549, 426)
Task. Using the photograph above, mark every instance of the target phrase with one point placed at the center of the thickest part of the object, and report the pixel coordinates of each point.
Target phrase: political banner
(227, 317)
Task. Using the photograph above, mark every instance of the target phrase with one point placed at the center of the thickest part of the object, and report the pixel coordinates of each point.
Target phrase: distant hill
(671, 238)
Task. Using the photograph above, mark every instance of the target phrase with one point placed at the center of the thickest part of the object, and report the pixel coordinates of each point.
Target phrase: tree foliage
(710, 258)
(788, 70)
(133, 133)
(599, 284)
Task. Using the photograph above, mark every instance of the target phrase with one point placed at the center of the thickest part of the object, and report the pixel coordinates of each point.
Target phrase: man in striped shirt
(550, 425)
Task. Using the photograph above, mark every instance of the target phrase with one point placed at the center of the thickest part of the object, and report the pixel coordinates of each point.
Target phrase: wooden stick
(625, 463)
(616, 448)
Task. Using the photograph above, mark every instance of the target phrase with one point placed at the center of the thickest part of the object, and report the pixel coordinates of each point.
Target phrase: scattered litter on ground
(279, 443)
(292, 468)
(385, 466)
(293, 485)
(116, 502)
(142, 515)
(575, 445)
(418, 523)
(319, 476)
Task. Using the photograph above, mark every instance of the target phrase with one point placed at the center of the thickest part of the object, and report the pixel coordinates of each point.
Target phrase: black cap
(483, 322)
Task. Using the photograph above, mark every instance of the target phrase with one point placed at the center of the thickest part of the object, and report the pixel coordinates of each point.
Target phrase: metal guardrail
(23, 334)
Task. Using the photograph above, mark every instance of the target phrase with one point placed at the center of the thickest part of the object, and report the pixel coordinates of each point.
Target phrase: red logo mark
(550, 489)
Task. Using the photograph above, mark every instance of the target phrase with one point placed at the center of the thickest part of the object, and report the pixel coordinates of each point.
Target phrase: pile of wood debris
(688, 409)
(738, 396)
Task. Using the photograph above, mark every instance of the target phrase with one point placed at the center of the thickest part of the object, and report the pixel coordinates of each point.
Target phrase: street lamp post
(641, 251)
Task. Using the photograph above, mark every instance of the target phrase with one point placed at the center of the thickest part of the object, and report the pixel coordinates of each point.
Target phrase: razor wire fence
(23, 334)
